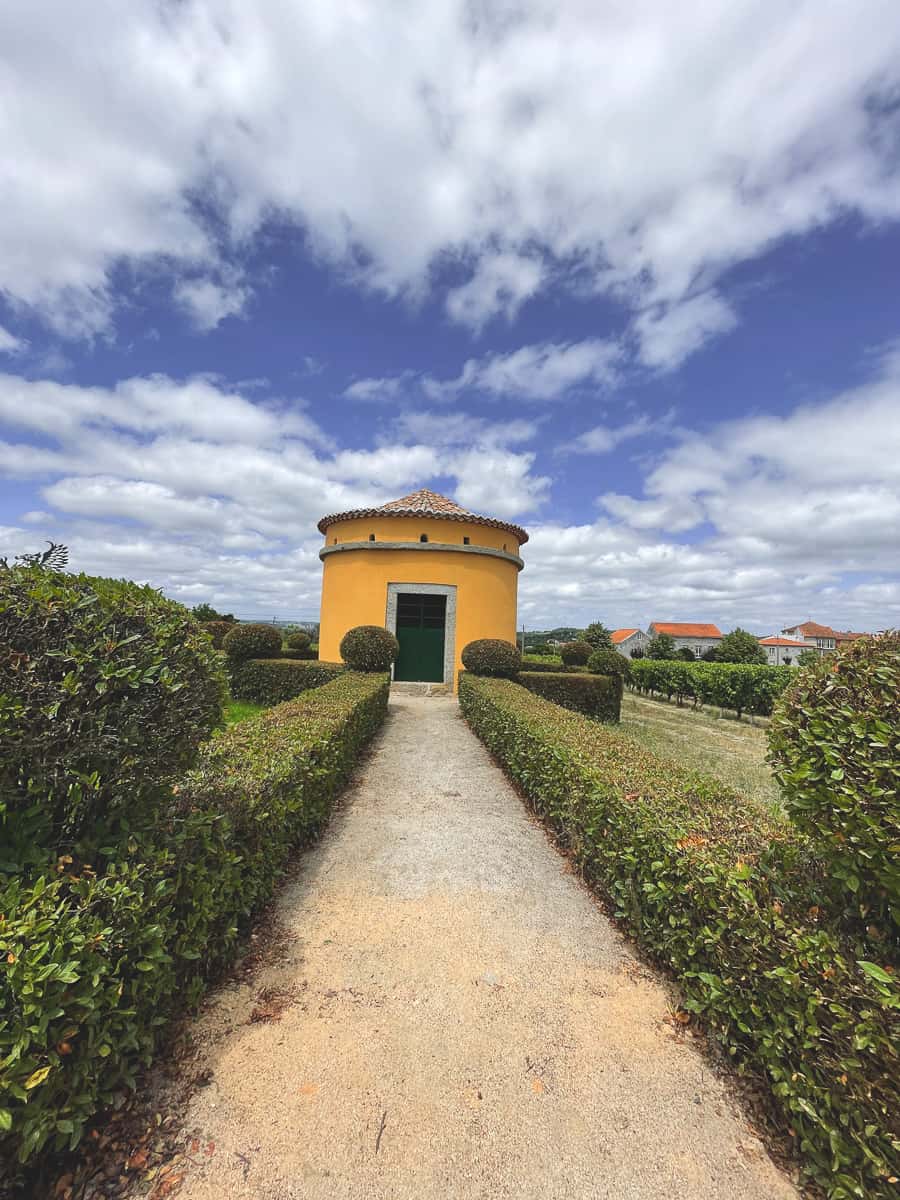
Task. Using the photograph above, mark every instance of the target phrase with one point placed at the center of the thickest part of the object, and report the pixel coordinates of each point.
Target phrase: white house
(698, 638)
(783, 651)
(815, 636)
(627, 640)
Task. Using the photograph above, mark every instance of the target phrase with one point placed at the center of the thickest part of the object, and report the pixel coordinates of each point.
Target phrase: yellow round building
(434, 574)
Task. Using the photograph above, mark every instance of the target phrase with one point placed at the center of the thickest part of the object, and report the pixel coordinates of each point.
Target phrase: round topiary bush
(298, 640)
(369, 648)
(252, 641)
(106, 691)
(576, 654)
(217, 630)
(491, 656)
(834, 743)
(609, 662)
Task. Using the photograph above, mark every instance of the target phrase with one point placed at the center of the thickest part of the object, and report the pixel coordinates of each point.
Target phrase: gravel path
(459, 1020)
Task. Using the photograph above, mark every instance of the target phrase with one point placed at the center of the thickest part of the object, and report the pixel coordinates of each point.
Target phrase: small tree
(686, 654)
(206, 612)
(598, 636)
(661, 646)
(808, 658)
(739, 646)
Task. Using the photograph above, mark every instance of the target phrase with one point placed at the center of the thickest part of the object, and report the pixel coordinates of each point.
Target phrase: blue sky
(625, 273)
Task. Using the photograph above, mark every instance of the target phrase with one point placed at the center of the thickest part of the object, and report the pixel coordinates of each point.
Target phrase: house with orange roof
(626, 641)
(783, 651)
(698, 637)
(818, 637)
(822, 637)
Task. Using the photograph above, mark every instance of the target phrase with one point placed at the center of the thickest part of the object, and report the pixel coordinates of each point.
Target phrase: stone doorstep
(421, 689)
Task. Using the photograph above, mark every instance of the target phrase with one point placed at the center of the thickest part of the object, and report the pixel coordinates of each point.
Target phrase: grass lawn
(733, 751)
(239, 710)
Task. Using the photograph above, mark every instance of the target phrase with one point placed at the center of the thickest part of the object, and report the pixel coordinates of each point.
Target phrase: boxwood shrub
(369, 648)
(576, 654)
(106, 691)
(218, 631)
(95, 961)
(835, 744)
(252, 641)
(740, 686)
(272, 680)
(492, 656)
(597, 696)
(298, 640)
(729, 896)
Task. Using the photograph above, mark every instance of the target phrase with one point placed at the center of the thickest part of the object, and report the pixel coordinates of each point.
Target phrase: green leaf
(875, 972)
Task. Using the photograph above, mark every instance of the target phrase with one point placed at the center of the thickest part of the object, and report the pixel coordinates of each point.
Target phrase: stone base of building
(421, 689)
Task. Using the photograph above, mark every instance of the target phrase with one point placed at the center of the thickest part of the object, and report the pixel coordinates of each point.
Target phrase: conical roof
(425, 503)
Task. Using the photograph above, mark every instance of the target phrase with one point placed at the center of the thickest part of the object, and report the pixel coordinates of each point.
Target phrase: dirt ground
(454, 1017)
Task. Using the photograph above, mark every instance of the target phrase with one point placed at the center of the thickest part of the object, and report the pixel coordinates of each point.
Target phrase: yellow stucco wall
(355, 582)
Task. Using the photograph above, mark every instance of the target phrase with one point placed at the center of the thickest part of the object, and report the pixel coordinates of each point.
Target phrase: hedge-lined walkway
(460, 1020)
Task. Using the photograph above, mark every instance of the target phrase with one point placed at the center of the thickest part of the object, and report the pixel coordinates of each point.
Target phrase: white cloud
(545, 371)
(669, 333)
(500, 284)
(604, 438)
(535, 373)
(499, 482)
(641, 149)
(389, 388)
(446, 428)
(820, 484)
(9, 344)
(208, 303)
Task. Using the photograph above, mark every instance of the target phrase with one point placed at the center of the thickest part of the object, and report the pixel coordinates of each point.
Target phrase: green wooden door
(420, 632)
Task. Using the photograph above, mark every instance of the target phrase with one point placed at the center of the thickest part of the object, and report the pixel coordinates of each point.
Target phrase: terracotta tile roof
(847, 636)
(677, 629)
(425, 503)
(813, 629)
(622, 635)
(783, 641)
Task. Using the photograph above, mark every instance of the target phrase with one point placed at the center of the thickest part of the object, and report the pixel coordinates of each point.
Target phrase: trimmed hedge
(307, 655)
(729, 897)
(252, 641)
(218, 631)
(576, 654)
(597, 696)
(95, 962)
(369, 648)
(835, 744)
(106, 691)
(551, 668)
(492, 656)
(273, 680)
(609, 662)
(743, 687)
